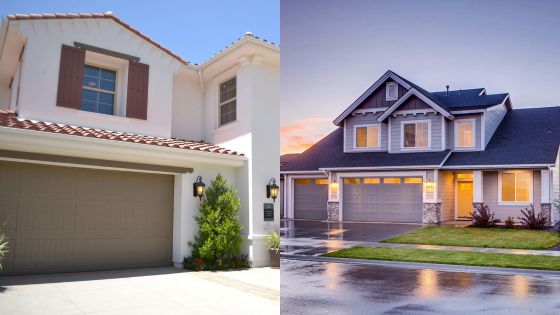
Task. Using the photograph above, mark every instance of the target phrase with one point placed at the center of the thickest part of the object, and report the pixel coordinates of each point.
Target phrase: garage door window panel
(391, 180)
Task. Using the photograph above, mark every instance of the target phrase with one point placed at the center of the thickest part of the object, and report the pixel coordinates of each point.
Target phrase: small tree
(482, 217)
(3, 248)
(218, 241)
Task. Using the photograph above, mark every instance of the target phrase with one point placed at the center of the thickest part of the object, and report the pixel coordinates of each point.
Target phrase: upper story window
(391, 91)
(415, 134)
(515, 187)
(367, 136)
(228, 104)
(465, 133)
(98, 94)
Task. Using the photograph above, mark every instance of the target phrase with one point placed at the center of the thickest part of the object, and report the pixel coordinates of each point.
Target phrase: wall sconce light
(272, 189)
(198, 188)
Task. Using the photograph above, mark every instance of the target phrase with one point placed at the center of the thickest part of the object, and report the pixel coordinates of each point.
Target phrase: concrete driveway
(343, 231)
(143, 291)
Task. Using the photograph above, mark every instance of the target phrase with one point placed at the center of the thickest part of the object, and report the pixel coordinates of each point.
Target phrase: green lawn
(450, 257)
(475, 237)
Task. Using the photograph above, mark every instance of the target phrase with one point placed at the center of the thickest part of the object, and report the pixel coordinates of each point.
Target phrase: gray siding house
(403, 154)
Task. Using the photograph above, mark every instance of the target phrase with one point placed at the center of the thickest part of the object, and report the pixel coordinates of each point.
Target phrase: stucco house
(403, 154)
(103, 132)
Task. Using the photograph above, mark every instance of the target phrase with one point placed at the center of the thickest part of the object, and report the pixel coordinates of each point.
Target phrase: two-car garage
(61, 219)
(363, 199)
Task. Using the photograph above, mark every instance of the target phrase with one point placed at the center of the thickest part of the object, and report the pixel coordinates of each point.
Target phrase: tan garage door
(61, 219)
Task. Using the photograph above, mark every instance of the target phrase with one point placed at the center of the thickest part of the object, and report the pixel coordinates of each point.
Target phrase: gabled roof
(443, 101)
(9, 119)
(525, 137)
(388, 75)
(328, 153)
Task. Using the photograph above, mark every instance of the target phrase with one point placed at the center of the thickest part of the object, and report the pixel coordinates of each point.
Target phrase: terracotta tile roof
(107, 15)
(9, 119)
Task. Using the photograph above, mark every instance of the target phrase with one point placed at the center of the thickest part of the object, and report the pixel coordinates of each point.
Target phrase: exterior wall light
(198, 188)
(272, 189)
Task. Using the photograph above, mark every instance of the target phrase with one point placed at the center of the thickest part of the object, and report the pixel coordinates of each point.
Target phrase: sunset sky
(332, 51)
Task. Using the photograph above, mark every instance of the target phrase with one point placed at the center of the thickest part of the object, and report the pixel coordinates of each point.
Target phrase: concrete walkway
(143, 291)
(333, 245)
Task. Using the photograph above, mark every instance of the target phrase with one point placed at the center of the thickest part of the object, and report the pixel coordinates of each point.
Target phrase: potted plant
(273, 243)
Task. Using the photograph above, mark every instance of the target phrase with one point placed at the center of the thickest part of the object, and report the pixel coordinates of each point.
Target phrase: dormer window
(464, 133)
(392, 91)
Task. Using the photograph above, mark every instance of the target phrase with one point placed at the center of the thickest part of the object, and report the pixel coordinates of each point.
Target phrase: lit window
(303, 181)
(464, 176)
(352, 181)
(98, 93)
(516, 187)
(391, 91)
(372, 181)
(416, 134)
(228, 101)
(367, 137)
(465, 134)
(391, 180)
(413, 180)
(323, 181)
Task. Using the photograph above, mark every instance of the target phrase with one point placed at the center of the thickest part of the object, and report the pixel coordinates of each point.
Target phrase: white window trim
(407, 122)
(456, 134)
(387, 89)
(120, 66)
(515, 203)
(376, 148)
(220, 125)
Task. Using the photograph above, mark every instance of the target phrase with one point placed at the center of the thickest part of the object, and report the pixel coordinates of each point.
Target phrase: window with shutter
(137, 92)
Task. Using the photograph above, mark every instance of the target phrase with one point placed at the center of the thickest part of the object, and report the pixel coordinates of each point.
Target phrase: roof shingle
(9, 119)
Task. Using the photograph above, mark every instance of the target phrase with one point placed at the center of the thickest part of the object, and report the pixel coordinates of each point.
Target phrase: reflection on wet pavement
(333, 288)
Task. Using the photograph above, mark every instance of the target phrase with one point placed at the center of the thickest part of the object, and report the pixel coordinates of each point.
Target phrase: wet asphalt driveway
(333, 288)
(313, 287)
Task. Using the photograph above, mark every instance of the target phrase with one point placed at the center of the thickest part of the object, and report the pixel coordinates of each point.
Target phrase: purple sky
(332, 51)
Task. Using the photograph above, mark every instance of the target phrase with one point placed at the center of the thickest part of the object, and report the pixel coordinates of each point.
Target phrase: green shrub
(3, 248)
(218, 243)
(272, 240)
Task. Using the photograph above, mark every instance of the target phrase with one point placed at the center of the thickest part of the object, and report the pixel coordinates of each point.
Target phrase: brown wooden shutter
(70, 77)
(137, 92)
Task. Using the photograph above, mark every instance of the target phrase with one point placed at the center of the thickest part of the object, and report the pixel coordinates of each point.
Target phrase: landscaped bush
(532, 220)
(272, 240)
(3, 248)
(482, 217)
(218, 243)
(509, 222)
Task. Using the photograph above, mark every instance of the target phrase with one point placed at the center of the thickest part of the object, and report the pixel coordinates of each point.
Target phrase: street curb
(416, 265)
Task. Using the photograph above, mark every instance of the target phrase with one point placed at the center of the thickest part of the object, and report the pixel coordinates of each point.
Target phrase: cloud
(302, 133)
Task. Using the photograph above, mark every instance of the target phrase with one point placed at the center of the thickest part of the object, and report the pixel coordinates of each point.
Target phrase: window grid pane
(351, 181)
(508, 187)
(465, 134)
(99, 86)
(228, 113)
(373, 136)
(391, 180)
(228, 90)
(421, 135)
(409, 135)
(361, 137)
(522, 183)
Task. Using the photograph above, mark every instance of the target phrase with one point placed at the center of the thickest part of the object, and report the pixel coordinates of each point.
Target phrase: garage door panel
(379, 201)
(310, 199)
(100, 224)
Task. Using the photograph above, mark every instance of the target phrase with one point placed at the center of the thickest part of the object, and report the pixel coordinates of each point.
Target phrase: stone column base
(333, 211)
(546, 209)
(431, 213)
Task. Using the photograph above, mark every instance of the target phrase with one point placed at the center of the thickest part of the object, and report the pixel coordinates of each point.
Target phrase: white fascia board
(68, 145)
(414, 167)
(421, 96)
(245, 39)
(503, 166)
(301, 172)
(371, 89)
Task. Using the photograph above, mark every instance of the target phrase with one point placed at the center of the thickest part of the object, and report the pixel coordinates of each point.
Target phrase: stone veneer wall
(546, 209)
(333, 211)
(431, 213)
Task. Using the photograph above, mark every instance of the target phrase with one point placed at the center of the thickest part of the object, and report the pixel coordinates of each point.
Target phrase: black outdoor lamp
(272, 189)
(198, 188)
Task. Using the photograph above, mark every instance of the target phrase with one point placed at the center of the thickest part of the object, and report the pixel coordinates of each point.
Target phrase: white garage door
(310, 199)
(388, 199)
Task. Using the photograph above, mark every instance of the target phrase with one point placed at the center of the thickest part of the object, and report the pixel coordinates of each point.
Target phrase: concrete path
(143, 291)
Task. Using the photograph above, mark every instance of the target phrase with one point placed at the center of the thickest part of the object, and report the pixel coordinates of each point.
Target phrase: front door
(464, 199)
